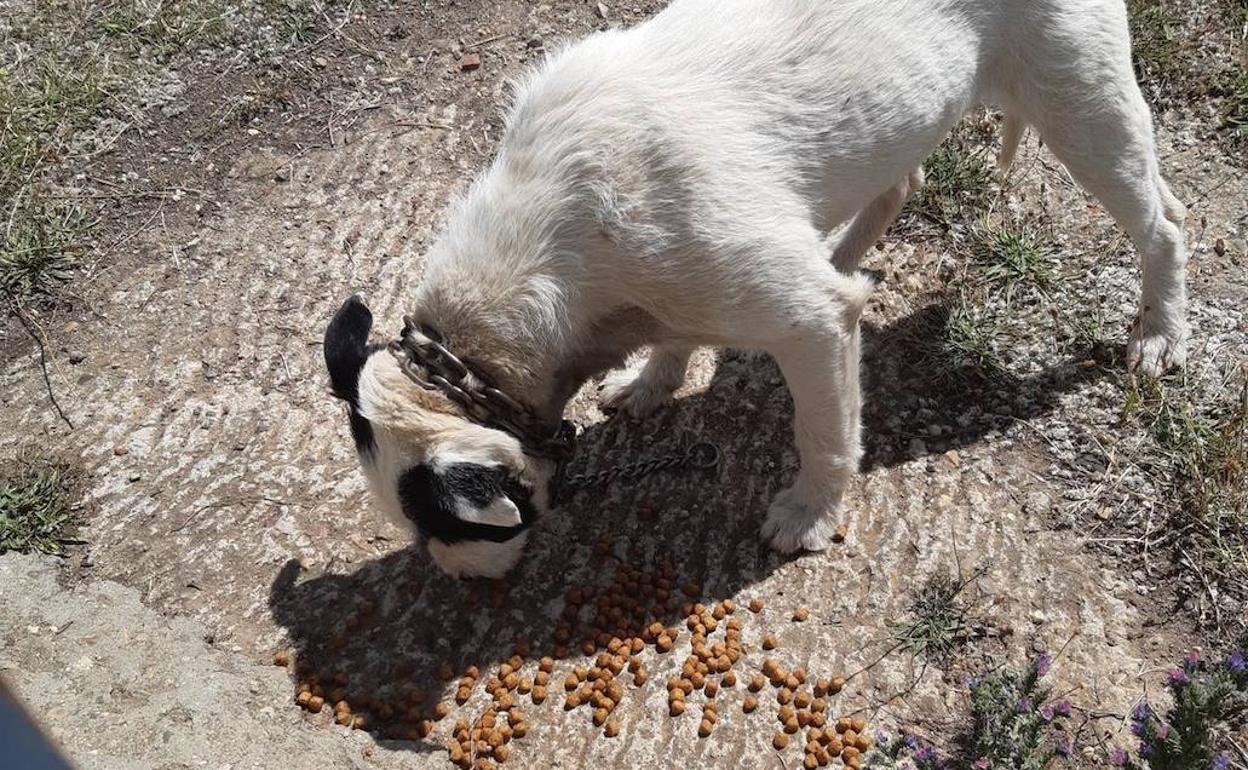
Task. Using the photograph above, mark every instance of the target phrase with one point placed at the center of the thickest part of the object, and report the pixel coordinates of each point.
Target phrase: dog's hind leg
(640, 393)
(1099, 126)
(868, 225)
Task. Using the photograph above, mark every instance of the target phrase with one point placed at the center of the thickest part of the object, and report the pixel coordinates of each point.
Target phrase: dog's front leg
(820, 367)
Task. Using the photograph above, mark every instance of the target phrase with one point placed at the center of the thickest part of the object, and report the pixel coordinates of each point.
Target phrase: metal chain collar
(422, 356)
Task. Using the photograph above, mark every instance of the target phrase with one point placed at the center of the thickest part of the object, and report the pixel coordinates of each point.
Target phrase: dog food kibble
(749, 704)
(757, 682)
(676, 707)
(729, 679)
(858, 724)
(836, 685)
(842, 531)
(315, 703)
(756, 605)
(281, 658)
(539, 693)
(784, 696)
(800, 614)
(769, 642)
(780, 741)
(712, 689)
(441, 710)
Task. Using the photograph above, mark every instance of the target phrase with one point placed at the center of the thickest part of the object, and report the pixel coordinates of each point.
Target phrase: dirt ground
(229, 519)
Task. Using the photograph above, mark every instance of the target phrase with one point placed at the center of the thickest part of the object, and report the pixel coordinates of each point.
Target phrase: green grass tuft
(956, 184)
(964, 341)
(36, 508)
(937, 624)
(1013, 254)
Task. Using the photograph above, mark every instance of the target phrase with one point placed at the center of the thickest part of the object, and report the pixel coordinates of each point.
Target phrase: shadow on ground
(388, 634)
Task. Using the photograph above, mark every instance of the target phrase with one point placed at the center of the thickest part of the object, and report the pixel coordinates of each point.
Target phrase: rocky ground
(226, 518)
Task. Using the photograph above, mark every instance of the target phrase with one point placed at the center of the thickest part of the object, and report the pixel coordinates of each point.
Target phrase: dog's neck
(542, 372)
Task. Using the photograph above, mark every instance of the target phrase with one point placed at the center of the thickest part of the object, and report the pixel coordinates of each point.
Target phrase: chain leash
(698, 456)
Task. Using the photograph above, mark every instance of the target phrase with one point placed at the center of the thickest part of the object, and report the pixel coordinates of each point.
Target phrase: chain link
(701, 455)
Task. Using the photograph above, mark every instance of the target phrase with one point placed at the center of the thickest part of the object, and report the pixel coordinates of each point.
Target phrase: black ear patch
(346, 348)
(428, 498)
(346, 351)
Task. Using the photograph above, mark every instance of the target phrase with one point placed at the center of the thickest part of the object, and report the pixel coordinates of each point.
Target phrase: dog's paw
(793, 525)
(633, 393)
(1153, 354)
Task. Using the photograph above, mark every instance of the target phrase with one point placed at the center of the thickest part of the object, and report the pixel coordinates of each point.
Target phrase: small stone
(470, 62)
(77, 358)
(1038, 617)
(535, 42)
(120, 451)
(282, 174)
(1219, 247)
(1037, 503)
(320, 61)
(601, 10)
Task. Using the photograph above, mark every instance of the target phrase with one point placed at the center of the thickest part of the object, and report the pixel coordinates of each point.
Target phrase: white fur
(674, 185)
(478, 558)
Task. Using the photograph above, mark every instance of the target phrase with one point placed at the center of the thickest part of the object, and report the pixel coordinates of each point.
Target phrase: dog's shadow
(388, 632)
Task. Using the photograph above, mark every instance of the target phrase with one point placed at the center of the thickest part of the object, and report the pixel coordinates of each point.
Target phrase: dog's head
(471, 491)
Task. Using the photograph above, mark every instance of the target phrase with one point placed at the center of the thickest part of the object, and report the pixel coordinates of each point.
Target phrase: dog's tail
(853, 291)
(1011, 136)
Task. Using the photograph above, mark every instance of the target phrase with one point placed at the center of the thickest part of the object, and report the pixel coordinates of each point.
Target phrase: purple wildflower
(1118, 758)
(1065, 747)
(1163, 731)
(1046, 713)
(1063, 708)
(925, 753)
(1236, 662)
(1024, 705)
(1146, 749)
(1138, 729)
(1141, 712)
(881, 737)
(983, 763)
(1191, 661)
(1043, 661)
(1177, 677)
(1221, 762)
(911, 741)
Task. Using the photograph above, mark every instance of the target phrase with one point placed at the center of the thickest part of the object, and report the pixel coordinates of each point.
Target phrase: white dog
(673, 185)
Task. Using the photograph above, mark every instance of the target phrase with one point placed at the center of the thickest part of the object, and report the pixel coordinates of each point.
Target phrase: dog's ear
(346, 347)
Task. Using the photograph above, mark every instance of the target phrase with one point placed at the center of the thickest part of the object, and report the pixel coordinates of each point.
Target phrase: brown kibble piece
(809, 761)
(791, 725)
(281, 658)
(756, 605)
(539, 693)
(303, 697)
(769, 642)
(780, 741)
(676, 707)
(501, 753)
(800, 614)
(520, 729)
(836, 685)
(441, 710)
(712, 689)
(843, 724)
(863, 743)
(730, 679)
(705, 727)
(784, 695)
(749, 704)
(611, 729)
(315, 703)
(858, 724)
(757, 682)
(842, 531)
(801, 699)
(600, 716)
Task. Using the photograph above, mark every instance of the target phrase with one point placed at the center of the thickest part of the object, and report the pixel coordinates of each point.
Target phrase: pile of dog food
(619, 636)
